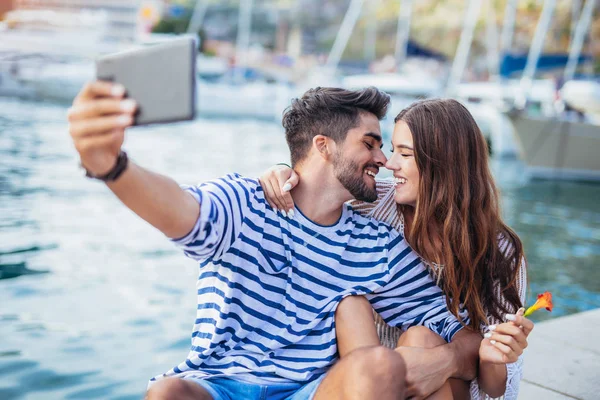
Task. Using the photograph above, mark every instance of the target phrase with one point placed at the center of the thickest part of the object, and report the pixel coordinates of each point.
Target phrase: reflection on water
(116, 303)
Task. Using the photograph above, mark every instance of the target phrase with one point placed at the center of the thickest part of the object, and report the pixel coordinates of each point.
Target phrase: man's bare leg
(420, 336)
(179, 389)
(367, 373)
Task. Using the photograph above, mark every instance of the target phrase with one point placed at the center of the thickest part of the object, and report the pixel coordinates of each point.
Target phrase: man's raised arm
(97, 122)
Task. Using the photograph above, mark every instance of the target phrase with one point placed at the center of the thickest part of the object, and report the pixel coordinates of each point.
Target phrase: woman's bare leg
(420, 336)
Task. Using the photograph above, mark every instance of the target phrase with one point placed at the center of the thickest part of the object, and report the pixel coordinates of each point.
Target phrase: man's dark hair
(331, 112)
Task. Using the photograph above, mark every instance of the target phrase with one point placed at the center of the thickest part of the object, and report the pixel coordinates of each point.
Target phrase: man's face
(358, 159)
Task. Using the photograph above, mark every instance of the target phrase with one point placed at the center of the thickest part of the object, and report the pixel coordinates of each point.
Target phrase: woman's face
(403, 164)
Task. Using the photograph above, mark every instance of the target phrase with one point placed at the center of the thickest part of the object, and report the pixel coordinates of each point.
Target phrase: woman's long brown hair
(457, 191)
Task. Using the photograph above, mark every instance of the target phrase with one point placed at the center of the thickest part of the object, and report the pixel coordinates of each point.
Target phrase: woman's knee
(420, 336)
(176, 388)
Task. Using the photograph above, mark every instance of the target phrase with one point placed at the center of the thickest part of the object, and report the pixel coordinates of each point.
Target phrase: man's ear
(323, 145)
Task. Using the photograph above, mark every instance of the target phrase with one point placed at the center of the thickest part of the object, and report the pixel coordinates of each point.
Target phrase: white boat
(246, 93)
(406, 89)
(565, 145)
(399, 85)
(558, 148)
(583, 96)
(58, 81)
(47, 48)
(225, 97)
(542, 94)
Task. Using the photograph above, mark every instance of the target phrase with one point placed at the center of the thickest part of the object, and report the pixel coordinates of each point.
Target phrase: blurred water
(99, 302)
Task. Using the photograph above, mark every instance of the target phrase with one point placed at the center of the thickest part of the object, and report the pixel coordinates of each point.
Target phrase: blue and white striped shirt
(269, 285)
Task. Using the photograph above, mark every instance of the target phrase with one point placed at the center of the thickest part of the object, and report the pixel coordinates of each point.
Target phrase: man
(270, 284)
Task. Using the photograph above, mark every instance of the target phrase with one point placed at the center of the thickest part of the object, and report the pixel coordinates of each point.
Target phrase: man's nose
(380, 158)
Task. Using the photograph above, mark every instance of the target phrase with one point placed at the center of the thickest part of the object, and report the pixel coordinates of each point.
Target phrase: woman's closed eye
(405, 155)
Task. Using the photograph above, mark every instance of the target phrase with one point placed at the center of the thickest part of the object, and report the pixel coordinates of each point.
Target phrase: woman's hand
(277, 182)
(504, 343)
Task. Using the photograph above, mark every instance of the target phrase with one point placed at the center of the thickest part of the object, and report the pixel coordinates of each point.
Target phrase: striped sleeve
(411, 297)
(382, 206)
(222, 203)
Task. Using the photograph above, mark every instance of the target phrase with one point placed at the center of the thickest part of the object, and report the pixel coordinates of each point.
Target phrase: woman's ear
(322, 145)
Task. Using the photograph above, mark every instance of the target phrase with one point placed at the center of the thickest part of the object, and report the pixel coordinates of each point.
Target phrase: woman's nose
(389, 164)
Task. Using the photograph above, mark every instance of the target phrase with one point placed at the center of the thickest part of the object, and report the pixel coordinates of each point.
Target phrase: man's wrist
(464, 353)
(119, 165)
(451, 363)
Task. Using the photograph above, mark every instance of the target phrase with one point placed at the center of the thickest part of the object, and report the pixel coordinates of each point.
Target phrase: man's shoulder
(367, 223)
(231, 189)
(234, 182)
(236, 178)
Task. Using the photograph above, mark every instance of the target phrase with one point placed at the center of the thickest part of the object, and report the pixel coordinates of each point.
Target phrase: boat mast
(534, 52)
(197, 16)
(508, 25)
(370, 50)
(243, 37)
(464, 46)
(577, 42)
(344, 35)
(575, 15)
(403, 31)
(491, 36)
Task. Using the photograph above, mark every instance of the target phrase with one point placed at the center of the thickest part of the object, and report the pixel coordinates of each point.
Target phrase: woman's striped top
(385, 209)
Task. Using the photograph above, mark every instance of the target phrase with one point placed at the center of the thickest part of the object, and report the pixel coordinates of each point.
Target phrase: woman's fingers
(489, 353)
(277, 181)
(520, 321)
(273, 196)
(268, 193)
(98, 126)
(509, 355)
(507, 341)
(287, 187)
(512, 331)
(105, 106)
(279, 200)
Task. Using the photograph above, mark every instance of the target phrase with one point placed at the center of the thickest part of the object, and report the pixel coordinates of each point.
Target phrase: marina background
(94, 302)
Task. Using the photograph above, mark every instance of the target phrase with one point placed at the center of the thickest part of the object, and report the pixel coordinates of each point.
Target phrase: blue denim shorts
(227, 388)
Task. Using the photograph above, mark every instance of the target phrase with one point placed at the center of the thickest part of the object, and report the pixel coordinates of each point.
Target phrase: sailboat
(47, 48)
(565, 145)
(239, 91)
(410, 84)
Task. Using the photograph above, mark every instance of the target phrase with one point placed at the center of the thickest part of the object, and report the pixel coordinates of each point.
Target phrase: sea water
(94, 301)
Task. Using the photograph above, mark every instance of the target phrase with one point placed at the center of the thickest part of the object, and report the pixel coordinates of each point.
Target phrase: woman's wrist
(492, 378)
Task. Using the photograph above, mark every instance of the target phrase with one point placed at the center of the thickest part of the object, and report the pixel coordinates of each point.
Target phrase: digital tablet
(161, 78)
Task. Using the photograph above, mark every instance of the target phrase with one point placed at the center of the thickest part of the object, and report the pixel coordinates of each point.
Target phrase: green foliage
(171, 25)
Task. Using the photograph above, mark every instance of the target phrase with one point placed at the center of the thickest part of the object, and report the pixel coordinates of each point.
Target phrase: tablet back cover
(161, 78)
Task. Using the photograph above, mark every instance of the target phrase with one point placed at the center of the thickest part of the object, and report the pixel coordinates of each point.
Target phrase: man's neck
(320, 196)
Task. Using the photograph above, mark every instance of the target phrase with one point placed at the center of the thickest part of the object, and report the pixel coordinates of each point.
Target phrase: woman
(444, 199)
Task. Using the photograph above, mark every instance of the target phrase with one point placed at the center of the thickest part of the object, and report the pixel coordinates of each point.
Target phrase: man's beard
(351, 177)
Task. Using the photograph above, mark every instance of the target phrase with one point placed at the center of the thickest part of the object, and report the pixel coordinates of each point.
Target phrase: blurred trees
(435, 24)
